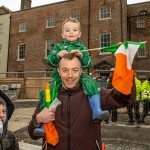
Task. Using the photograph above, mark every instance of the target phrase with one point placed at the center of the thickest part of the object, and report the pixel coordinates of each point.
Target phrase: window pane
(75, 15)
(22, 27)
(104, 40)
(105, 13)
(20, 74)
(49, 45)
(51, 22)
(141, 52)
(22, 51)
(140, 23)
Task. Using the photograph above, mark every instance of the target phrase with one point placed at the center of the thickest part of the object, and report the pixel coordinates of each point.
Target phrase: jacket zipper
(69, 94)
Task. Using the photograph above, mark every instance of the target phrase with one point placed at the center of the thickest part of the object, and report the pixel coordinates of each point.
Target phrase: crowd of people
(137, 111)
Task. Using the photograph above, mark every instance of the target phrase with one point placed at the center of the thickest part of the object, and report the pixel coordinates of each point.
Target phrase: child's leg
(91, 89)
(39, 131)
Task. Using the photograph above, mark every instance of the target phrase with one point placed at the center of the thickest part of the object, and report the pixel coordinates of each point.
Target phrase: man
(135, 106)
(114, 114)
(145, 92)
(73, 118)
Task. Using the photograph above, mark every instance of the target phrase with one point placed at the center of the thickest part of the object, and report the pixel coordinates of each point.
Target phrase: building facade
(139, 30)
(4, 39)
(34, 31)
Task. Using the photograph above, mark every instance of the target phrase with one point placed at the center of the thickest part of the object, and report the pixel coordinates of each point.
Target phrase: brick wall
(37, 33)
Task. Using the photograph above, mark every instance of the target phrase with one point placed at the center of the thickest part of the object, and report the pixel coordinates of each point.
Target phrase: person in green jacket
(145, 98)
(71, 33)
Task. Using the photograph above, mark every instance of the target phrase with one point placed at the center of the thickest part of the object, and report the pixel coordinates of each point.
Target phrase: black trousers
(146, 109)
(136, 107)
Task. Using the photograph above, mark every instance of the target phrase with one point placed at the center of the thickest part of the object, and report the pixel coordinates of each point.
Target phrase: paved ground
(23, 112)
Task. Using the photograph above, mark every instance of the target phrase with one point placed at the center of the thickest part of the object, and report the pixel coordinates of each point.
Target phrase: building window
(21, 52)
(141, 53)
(22, 27)
(48, 73)
(104, 13)
(1, 27)
(20, 74)
(50, 22)
(143, 13)
(49, 46)
(75, 15)
(105, 41)
(140, 23)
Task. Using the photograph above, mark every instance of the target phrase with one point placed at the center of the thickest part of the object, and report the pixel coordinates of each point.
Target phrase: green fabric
(54, 94)
(90, 86)
(52, 59)
(113, 48)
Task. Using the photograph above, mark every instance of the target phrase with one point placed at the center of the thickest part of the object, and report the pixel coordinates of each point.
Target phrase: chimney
(25, 4)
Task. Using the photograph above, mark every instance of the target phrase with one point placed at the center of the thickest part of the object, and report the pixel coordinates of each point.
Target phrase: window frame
(50, 23)
(104, 13)
(23, 51)
(140, 51)
(75, 15)
(22, 27)
(104, 43)
(140, 23)
(48, 47)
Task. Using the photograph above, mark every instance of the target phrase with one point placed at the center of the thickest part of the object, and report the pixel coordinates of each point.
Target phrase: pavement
(26, 146)
(22, 116)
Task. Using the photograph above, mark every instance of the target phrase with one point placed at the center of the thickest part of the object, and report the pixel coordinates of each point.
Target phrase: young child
(71, 33)
(7, 138)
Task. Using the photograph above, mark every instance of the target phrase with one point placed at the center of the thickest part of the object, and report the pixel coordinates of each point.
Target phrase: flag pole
(95, 49)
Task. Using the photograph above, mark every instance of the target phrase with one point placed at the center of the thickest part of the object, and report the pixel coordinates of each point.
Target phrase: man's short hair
(69, 56)
(74, 20)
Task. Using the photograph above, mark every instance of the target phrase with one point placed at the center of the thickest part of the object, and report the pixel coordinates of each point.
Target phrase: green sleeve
(52, 59)
(86, 59)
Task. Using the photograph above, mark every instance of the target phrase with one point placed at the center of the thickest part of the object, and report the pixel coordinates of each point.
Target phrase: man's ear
(58, 71)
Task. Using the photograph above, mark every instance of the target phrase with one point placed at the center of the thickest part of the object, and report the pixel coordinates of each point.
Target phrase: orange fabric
(51, 133)
(122, 77)
(103, 146)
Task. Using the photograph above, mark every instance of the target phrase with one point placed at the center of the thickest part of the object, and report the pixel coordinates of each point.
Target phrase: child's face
(3, 113)
(71, 31)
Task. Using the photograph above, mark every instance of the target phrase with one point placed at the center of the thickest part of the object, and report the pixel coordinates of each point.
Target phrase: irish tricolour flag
(123, 73)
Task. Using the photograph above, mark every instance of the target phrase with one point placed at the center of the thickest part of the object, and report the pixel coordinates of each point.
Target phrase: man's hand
(45, 116)
(62, 53)
(77, 52)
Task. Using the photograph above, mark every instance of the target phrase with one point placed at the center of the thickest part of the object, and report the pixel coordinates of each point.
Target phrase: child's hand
(62, 53)
(119, 43)
(77, 52)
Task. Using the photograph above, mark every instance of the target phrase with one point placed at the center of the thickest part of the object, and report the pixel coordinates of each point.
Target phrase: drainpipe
(8, 45)
(128, 28)
(121, 22)
(89, 11)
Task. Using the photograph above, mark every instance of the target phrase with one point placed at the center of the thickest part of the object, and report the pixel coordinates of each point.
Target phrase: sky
(14, 5)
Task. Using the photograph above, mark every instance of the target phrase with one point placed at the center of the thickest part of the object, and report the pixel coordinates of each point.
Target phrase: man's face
(70, 71)
(3, 113)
